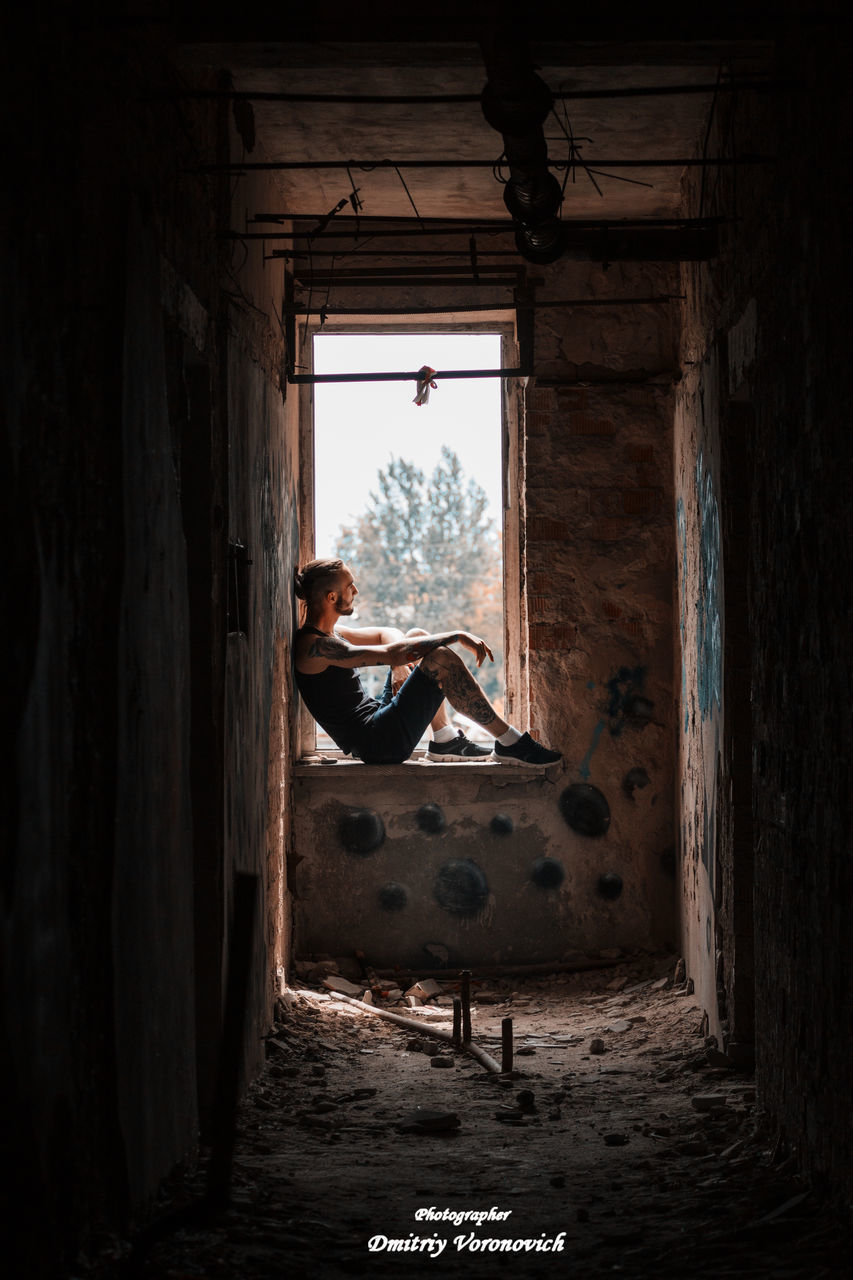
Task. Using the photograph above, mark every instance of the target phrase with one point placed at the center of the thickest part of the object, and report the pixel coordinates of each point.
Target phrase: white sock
(447, 734)
(508, 738)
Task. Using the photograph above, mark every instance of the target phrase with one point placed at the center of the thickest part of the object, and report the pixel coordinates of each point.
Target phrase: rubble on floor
(644, 1150)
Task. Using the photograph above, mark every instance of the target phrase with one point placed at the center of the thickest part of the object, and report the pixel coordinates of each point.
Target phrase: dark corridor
(651, 207)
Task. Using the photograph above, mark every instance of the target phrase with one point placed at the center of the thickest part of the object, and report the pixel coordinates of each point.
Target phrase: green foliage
(425, 553)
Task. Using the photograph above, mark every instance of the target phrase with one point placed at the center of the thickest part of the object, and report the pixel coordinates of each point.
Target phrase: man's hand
(477, 646)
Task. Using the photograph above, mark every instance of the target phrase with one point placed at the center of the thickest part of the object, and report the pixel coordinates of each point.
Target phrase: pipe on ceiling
(516, 102)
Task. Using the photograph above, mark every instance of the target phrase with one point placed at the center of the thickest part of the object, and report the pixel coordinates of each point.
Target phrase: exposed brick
(584, 424)
(541, 398)
(607, 502)
(575, 502)
(609, 530)
(538, 424)
(611, 609)
(540, 604)
(544, 635)
(641, 395)
(541, 529)
(640, 501)
(540, 581)
(573, 398)
(641, 453)
(633, 627)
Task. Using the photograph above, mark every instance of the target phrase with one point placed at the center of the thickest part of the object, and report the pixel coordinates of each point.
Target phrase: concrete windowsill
(479, 770)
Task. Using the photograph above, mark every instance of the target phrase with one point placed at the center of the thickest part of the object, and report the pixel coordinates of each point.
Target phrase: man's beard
(344, 610)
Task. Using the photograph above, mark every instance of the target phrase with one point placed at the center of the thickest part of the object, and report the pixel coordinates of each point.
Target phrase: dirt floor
(643, 1155)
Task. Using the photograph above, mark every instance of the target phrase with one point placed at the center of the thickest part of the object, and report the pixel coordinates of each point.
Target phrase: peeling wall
(762, 441)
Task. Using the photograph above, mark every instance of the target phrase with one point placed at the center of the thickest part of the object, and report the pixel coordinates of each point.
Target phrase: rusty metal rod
(311, 378)
(457, 1023)
(465, 996)
(506, 1044)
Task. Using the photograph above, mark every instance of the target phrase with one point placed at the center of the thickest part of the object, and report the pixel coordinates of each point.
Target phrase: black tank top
(337, 701)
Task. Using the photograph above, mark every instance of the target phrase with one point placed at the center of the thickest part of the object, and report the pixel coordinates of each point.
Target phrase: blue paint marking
(708, 634)
(590, 684)
(681, 525)
(583, 768)
(709, 649)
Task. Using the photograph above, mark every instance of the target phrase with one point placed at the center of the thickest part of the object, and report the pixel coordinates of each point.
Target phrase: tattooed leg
(441, 719)
(461, 690)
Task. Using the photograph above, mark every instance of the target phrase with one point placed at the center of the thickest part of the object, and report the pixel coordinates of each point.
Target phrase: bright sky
(360, 426)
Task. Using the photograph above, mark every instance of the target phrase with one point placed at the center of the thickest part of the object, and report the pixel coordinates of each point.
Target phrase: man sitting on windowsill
(424, 671)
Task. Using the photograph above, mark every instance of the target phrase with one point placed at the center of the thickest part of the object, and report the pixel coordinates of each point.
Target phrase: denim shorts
(397, 727)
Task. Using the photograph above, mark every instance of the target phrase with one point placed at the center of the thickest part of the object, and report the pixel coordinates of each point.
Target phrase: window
(413, 497)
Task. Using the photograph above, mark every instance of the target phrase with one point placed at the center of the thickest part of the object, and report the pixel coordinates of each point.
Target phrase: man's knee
(416, 631)
(441, 660)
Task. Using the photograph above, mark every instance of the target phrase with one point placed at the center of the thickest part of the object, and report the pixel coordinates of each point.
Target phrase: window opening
(411, 496)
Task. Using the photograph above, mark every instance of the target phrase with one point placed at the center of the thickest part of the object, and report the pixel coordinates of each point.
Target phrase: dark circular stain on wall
(501, 824)
(431, 817)
(461, 887)
(585, 809)
(635, 779)
(548, 873)
(639, 710)
(362, 831)
(609, 886)
(392, 896)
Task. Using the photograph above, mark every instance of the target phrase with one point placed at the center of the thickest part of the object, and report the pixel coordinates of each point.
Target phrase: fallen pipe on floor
(505, 970)
(474, 1049)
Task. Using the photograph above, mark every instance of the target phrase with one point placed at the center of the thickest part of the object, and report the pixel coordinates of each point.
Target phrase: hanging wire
(409, 194)
(727, 148)
(711, 114)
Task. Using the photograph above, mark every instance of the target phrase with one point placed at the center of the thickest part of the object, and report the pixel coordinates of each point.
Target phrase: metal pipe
(353, 275)
(465, 997)
(689, 162)
(424, 1028)
(488, 224)
(466, 308)
(405, 377)
(456, 99)
(411, 282)
(506, 1044)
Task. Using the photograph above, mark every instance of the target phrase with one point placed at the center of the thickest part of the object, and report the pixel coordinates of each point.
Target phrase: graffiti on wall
(708, 631)
(681, 527)
(709, 652)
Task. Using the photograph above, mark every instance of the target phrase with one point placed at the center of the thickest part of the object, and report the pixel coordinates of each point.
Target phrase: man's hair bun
(316, 577)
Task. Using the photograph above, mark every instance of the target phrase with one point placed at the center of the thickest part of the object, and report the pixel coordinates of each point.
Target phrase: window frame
(502, 322)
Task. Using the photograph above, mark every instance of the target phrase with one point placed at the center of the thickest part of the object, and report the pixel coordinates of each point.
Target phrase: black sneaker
(525, 751)
(458, 748)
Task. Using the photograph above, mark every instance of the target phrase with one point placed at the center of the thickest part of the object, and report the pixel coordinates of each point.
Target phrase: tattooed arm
(316, 652)
(414, 648)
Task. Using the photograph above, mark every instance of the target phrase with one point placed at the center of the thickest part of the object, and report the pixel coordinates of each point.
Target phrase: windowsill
(332, 765)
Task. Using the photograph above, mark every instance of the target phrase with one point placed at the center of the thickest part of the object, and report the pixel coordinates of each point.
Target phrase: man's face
(346, 594)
